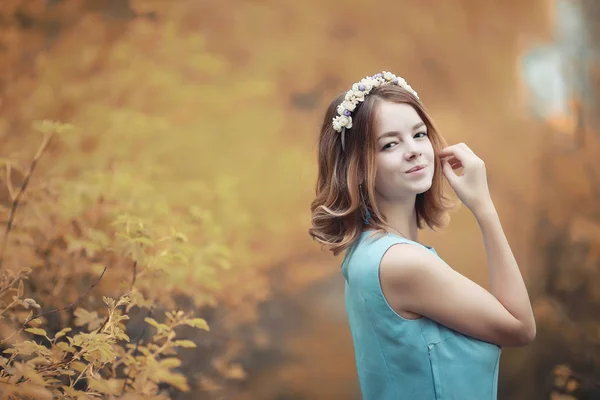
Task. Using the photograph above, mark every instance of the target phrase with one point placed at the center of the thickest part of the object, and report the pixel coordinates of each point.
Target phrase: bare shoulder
(407, 262)
(409, 274)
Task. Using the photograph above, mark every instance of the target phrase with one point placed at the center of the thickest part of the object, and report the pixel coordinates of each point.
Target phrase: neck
(401, 216)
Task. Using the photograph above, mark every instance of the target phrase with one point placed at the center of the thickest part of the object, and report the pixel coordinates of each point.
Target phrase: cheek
(428, 150)
(389, 173)
(386, 168)
(388, 164)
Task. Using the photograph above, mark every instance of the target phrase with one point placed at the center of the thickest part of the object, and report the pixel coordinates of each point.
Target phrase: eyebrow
(395, 133)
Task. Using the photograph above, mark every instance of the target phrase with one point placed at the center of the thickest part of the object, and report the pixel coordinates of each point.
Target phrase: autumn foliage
(157, 163)
(83, 349)
(112, 252)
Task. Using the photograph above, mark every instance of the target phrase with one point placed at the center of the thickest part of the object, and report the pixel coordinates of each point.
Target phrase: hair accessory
(357, 94)
(367, 217)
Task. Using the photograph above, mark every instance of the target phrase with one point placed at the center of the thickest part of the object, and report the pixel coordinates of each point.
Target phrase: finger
(467, 149)
(452, 150)
(457, 152)
(448, 172)
(451, 159)
(448, 151)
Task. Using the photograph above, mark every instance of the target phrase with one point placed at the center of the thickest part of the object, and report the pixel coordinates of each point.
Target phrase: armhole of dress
(381, 253)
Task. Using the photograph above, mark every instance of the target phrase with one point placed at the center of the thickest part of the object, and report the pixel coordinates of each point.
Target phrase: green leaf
(199, 323)
(108, 301)
(62, 332)
(122, 336)
(158, 326)
(123, 301)
(110, 386)
(152, 321)
(85, 317)
(28, 347)
(176, 380)
(184, 343)
(36, 331)
(64, 346)
(170, 363)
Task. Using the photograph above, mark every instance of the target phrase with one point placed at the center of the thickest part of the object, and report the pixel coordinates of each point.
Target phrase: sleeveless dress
(409, 359)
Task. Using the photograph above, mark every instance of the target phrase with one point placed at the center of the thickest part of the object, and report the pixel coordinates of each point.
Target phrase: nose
(412, 151)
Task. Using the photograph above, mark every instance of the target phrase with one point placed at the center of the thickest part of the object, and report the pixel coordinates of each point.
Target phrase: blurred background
(184, 178)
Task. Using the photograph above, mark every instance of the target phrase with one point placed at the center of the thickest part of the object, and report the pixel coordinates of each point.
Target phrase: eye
(389, 145)
(421, 134)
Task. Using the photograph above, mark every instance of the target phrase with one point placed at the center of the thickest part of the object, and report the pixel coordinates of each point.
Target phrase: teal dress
(409, 359)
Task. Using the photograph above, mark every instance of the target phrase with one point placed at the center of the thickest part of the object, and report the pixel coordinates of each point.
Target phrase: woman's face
(404, 153)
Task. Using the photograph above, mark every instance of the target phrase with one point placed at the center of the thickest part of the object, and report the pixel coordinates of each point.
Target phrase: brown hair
(338, 210)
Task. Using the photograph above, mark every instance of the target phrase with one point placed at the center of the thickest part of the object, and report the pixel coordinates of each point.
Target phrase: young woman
(420, 329)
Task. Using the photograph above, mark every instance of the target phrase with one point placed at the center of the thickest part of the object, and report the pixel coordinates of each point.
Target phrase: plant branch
(134, 277)
(15, 203)
(73, 304)
(10, 285)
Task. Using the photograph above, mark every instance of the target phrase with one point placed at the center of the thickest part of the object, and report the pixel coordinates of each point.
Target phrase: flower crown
(357, 94)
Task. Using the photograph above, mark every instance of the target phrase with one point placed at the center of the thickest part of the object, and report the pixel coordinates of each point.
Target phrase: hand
(471, 186)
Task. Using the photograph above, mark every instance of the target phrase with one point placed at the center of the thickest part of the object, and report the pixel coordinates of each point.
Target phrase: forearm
(507, 283)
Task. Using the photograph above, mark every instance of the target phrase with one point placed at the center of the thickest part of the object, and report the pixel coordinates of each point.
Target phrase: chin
(406, 189)
(422, 188)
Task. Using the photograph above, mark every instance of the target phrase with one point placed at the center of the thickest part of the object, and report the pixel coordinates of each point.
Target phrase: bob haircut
(337, 211)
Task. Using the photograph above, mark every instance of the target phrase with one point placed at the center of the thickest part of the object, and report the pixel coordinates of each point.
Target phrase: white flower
(388, 76)
(341, 121)
(346, 122)
(367, 83)
(360, 96)
(411, 90)
(348, 105)
(359, 91)
(336, 124)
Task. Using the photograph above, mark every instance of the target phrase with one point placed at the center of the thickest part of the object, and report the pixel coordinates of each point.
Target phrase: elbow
(519, 336)
(528, 335)
(524, 336)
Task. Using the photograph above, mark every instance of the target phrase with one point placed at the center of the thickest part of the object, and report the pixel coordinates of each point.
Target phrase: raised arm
(418, 281)
(414, 279)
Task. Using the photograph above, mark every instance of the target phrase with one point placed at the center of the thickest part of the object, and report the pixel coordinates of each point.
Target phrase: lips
(416, 168)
